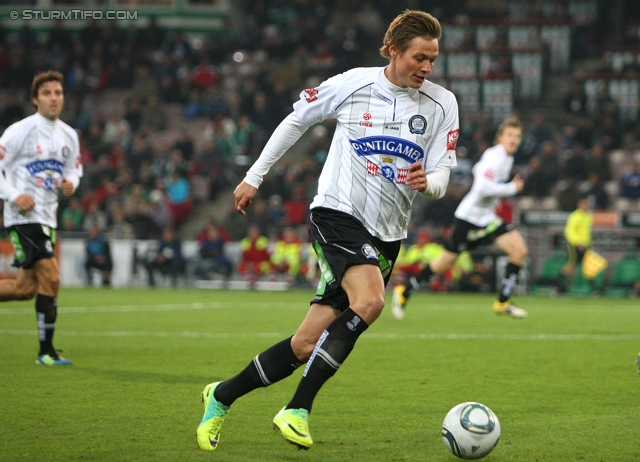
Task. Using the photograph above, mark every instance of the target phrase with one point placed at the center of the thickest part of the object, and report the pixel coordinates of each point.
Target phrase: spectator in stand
(120, 228)
(536, 183)
(211, 257)
(605, 105)
(596, 194)
(255, 258)
(630, 182)
(178, 196)
(549, 164)
(98, 256)
(584, 132)
(154, 115)
(598, 162)
(576, 101)
(541, 132)
(297, 207)
(185, 144)
(287, 255)
(95, 216)
(143, 225)
(167, 259)
(159, 209)
(133, 114)
(609, 133)
(276, 214)
(73, 215)
(568, 195)
(575, 165)
(144, 85)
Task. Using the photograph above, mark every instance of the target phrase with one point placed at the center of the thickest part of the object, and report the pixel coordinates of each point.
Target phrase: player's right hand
(25, 202)
(243, 194)
(519, 182)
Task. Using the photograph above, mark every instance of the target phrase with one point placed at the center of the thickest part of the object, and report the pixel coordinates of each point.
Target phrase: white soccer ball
(470, 430)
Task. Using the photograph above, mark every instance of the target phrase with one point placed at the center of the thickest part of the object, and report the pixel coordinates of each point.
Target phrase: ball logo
(417, 125)
(366, 116)
(452, 139)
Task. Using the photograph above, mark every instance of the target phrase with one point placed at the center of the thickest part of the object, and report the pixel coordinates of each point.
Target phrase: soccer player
(396, 136)
(476, 223)
(39, 155)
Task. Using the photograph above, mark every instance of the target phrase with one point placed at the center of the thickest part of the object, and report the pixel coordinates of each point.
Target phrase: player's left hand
(67, 187)
(417, 179)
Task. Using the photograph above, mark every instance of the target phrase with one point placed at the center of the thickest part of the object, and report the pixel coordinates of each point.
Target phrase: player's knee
(26, 292)
(369, 308)
(303, 347)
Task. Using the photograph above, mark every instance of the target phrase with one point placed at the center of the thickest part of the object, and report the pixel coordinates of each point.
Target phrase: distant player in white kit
(476, 223)
(396, 136)
(39, 155)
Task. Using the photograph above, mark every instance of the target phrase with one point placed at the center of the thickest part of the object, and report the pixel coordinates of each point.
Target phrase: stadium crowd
(242, 79)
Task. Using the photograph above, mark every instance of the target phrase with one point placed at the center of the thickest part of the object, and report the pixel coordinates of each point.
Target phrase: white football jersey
(381, 130)
(36, 154)
(490, 182)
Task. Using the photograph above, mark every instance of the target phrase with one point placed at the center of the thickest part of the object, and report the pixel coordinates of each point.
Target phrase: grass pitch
(563, 382)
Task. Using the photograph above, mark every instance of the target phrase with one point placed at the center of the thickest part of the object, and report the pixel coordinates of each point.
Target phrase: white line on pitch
(372, 336)
(287, 305)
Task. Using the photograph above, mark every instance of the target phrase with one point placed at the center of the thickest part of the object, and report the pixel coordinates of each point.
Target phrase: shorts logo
(351, 325)
(388, 172)
(311, 94)
(417, 125)
(368, 251)
(452, 139)
(65, 151)
(379, 95)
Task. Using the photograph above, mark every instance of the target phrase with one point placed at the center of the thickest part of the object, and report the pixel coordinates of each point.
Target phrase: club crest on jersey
(387, 171)
(417, 125)
(311, 94)
(389, 146)
(65, 151)
(368, 251)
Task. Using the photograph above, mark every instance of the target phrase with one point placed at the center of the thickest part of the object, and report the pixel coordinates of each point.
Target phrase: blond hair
(407, 26)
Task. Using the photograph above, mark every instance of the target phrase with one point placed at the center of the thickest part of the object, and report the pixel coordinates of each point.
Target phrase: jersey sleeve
(319, 103)
(73, 170)
(484, 179)
(443, 149)
(9, 146)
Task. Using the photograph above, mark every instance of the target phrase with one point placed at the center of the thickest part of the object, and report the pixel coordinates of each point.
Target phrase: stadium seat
(625, 273)
(550, 278)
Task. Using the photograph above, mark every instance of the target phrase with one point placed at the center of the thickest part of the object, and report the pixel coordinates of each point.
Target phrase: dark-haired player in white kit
(39, 155)
(395, 136)
(476, 223)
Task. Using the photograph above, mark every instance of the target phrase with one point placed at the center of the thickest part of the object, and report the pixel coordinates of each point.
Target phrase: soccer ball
(470, 430)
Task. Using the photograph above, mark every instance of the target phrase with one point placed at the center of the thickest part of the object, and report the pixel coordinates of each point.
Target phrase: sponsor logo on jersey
(387, 145)
(379, 95)
(452, 139)
(387, 171)
(47, 165)
(311, 94)
(490, 174)
(417, 125)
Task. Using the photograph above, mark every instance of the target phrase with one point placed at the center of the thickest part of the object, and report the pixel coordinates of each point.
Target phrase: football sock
(416, 281)
(330, 352)
(270, 366)
(46, 312)
(509, 282)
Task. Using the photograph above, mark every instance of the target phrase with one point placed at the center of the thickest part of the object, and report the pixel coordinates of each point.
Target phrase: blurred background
(174, 101)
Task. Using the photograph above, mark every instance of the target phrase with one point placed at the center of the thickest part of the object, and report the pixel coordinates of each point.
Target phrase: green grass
(563, 382)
